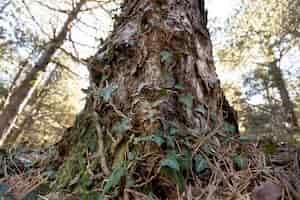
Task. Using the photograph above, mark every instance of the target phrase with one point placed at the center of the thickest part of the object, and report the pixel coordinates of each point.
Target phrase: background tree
(50, 111)
(22, 93)
(43, 29)
(259, 39)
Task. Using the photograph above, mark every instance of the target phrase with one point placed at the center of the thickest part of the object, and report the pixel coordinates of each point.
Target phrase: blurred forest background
(256, 47)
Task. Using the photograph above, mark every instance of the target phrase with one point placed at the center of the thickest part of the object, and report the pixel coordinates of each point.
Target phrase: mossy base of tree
(228, 166)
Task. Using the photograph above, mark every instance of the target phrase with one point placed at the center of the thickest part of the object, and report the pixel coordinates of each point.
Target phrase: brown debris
(267, 191)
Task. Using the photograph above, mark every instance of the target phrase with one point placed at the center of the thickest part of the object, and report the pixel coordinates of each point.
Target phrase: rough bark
(287, 104)
(21, 94)
(154, 92)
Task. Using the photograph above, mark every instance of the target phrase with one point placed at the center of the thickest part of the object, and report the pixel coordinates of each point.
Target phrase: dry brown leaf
(267, 191)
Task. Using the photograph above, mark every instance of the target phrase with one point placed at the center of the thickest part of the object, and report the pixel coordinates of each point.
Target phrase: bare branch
(53, 9)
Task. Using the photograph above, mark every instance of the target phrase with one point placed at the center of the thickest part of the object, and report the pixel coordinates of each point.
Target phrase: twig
(211, 134)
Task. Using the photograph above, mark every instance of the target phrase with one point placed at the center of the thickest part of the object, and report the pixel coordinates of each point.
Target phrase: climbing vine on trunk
(155, 103)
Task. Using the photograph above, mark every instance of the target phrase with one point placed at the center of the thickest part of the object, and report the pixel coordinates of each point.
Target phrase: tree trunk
(35, 103)
(155, 95)
(21, 94)
(287, 104)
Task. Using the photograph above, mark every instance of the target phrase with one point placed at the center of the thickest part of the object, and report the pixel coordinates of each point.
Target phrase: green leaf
(31, 196)
(200, 109)
(122, 126)
(187, 100)
(230, 128)
(213, 116)
(269, 148)
(85, 181)
(185, 160)
(163, 92)
(170, 141)
(175, 176)
(114, 179)
(200, 163)
(6, 197)
(208, 150)
(3, 188)
(158, 139)
(165, 57)
(239, 161)
(91, 196)
(179, 87)
(129, 183)
(170, 161)
(245, 138)
(106, 93)
(150, 196)
(179, 180)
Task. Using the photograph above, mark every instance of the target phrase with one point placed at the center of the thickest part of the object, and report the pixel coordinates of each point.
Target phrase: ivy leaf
(158, 140)
(185, 160)
(187, 100)
(165, 56)
(152, 138)
(213, 117)
(170, 161)
(90, 196)
(150, 196)
(170, 141)
(230, 128)
(239, 161)
(114, 179)
(269, 148)
(8, 196)
(122, 126)
(31, 196)
(208, 150)
(129, 183)
(200, 109)
(175, 176)
(179, 180)
(200, 164)
(85, 181)
(3, 188)
(245, 138)
(163, 92)
(106, 93)
(179, 87)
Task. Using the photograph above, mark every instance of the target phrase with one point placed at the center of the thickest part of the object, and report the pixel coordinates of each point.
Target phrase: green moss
(74, 170)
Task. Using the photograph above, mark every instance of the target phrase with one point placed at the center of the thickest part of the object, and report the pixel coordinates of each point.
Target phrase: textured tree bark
(21, 94)
(154, 91)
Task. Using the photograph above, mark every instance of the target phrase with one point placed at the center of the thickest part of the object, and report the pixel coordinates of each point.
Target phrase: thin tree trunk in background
(155, 91)
(35, 102)
(21, 94)
(17, 77)
(287, 104)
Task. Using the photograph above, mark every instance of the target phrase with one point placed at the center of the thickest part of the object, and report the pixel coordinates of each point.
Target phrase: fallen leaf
(267, 191)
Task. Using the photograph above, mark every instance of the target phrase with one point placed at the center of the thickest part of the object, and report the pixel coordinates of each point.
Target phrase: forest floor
(260, 170)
